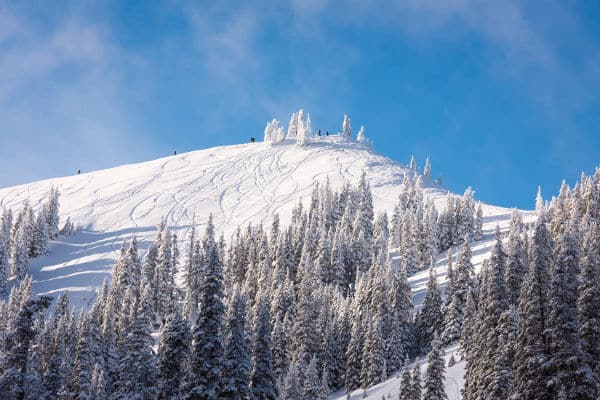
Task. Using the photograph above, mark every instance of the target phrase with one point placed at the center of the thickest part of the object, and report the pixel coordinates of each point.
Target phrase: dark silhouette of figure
(252, 139)
(327, 133)
(78, 171)
(175, 152)
(319, 133)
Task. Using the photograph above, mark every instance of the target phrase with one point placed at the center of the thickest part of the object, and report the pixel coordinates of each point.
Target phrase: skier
(175, 152)
(319, 133)
(252, 139)
(78, 171)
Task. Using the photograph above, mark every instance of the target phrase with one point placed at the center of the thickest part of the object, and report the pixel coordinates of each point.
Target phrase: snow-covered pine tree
(568, 366)
(19, 338)
(404, 392)
(412, 163)
(205, 378)
(303, 134)
(238, 363)
(495, 370)
(374, 365)
(99, 384)
(39, 242)
(588, 298)
(434, 376)
(354, 355)
(346, 127)
(166, 291)
(463, 282)
(516, 263)
(427, 168)
(137, 364)
(4, 261)
(360, 136)
(465, 217)
(51, 213)
(84, 361)
(531, 347)
(268, 137)
(173, 350)
(478, 228)
(311, 387)
(430, 319)
(293, 126)
(292, 387)
(262, 380)
(416, 389)
(19, 257)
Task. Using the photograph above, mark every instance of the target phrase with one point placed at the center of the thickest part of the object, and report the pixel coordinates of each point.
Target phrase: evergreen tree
(14, 358)
(50, 212)
(205, 375)
(569, 369)
(427, 168)
(346, 128)
(374, 366)
(360, 136)
(292, 387)
(531, 348)
(19, 251)
(478, 229)
(84, 361)
(430, 319)
(312, 387)
(354, 356)
(434, 376)
(293, 126)
(589, 297)
(262, 382)
(173, 349)
(416, 390)
(516, 263)
(405, 390)
(137, 369)
(238, 364)
(463, 282)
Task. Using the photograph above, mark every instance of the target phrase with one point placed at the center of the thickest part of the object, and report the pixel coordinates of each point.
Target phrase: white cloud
(60, 99)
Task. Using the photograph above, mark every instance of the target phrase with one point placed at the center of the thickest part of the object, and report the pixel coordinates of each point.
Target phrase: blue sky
(502, 96)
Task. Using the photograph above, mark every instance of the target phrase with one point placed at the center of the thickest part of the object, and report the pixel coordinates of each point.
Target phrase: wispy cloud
(60, 99)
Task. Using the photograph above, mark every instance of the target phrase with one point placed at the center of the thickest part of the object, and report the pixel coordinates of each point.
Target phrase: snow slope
(238, 184)
(389, 389)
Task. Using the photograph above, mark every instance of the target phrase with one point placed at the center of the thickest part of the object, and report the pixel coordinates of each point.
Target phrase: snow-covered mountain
(238, 184)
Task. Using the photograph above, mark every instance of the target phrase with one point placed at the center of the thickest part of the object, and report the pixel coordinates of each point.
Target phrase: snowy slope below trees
(389, 389)
(239, 185)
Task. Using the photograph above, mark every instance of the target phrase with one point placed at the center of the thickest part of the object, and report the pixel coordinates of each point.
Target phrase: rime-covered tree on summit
(346, 127)
(360, 136)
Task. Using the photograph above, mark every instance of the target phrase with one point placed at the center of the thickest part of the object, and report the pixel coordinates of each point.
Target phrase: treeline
(281, 312)
(25, 235)
(532, 327)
